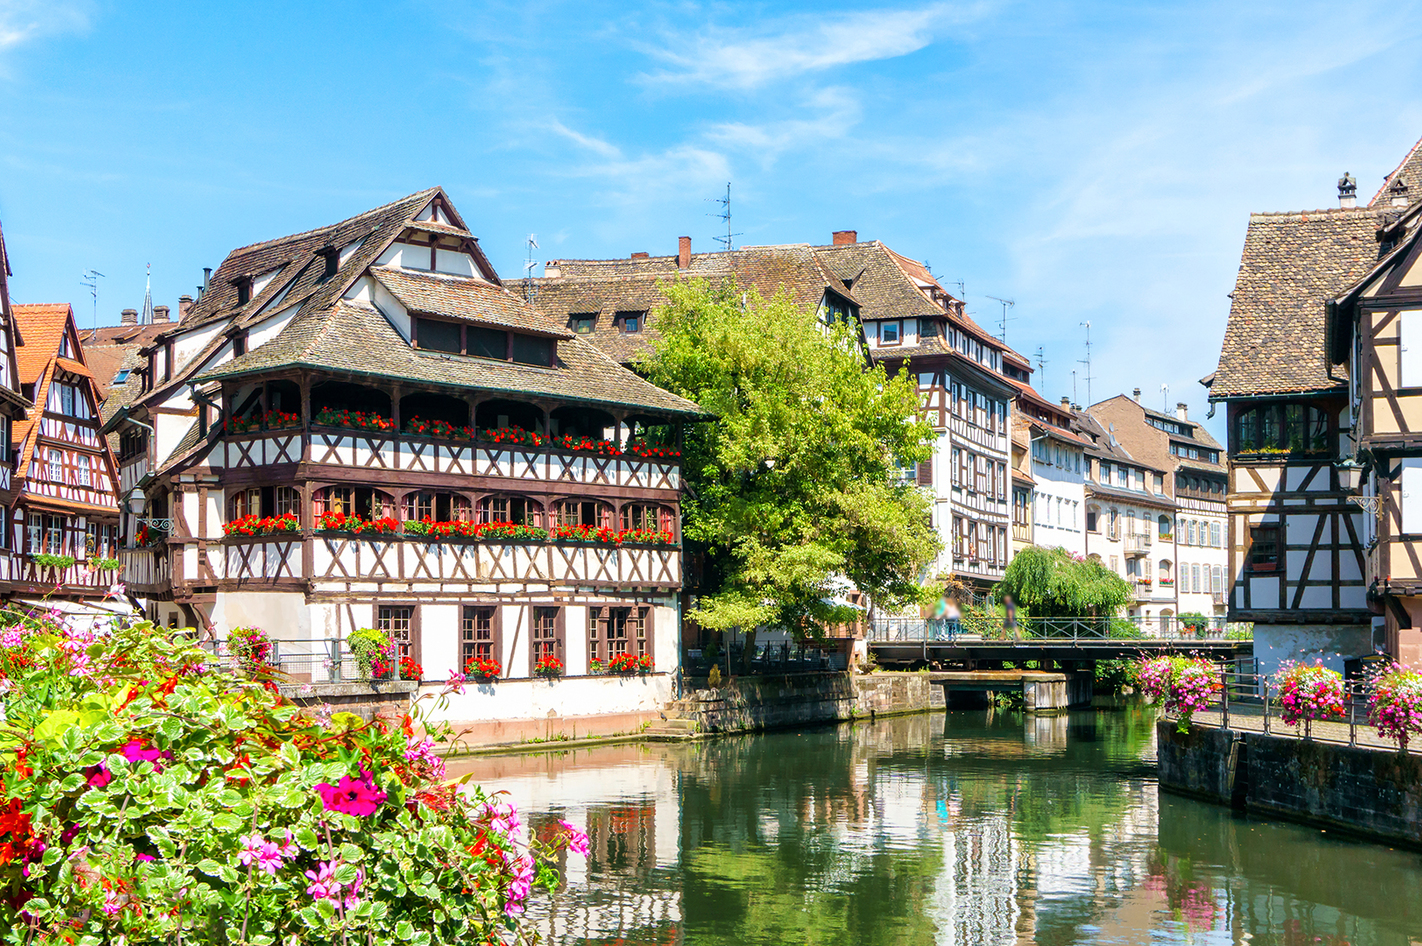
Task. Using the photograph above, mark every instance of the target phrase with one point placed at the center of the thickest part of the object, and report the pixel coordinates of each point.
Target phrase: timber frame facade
(359, 426)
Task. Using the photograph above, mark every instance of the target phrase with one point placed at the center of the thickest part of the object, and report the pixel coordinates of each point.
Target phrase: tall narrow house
(65, 517)
(359, 426)
(13, 407)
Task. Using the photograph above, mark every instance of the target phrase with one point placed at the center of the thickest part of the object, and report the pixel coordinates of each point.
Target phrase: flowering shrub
(382, 666)
(1308, 692)
(1182, 685)
(650, 452)
(646, 537)
(438, 428)
(604, 448)
(360, 420)
(629, 664)
(148, 798)
(511, 530)
(270, 420)
(263, 525)
(482, 669)
(250, 647)
(548, 666)
(344, 522)
(1395, 703)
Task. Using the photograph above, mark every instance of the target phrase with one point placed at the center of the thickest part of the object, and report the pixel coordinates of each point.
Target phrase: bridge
(1070, 642)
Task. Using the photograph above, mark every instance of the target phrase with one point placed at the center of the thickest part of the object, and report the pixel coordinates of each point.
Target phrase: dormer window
(244, 289)
(239, 344)
(889, 332)
(582, 322)
(331, 257)
(631, 321)
(454, 338)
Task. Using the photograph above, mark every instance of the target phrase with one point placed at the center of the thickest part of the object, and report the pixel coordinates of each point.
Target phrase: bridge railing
(892, 628)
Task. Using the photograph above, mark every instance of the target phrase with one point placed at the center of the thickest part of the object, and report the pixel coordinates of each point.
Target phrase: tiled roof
(1140, 498)
(42, 328)
(472, 300)
(1276, 340)
(1411, 170)
(356, 339)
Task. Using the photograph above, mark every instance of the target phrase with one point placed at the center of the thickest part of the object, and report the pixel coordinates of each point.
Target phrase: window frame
(555, 644)
(469, 641)
(410, 644)
(1258, 535)
(898, 328)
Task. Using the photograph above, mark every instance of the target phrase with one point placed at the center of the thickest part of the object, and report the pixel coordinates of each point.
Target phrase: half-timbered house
(1296, 540)
(13, 405)
(360, 426)
(64, 521)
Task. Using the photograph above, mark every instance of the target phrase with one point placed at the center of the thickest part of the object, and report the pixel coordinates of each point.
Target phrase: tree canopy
(1051, 583)
(795, 480)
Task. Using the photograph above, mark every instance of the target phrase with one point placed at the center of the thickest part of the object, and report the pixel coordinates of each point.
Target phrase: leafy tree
(1053, 584)
(795, 480)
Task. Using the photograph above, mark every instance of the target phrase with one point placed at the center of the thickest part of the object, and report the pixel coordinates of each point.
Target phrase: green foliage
(1054, 584)
(45, 560)
(149, 798)
(104, 564)
(1194, 620)
(795, 481)
(368, 645)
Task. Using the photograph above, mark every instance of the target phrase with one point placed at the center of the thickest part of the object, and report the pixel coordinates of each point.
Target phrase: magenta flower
(324, 885)
(455, 683)
(577, 838)
(260, 853)
(357, 797)
(136, 750)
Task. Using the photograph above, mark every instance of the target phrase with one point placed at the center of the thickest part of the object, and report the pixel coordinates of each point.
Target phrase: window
(595, 514)
(514, 509)
(56, 464)
(1215, 535)
(476, 635)
(1158, 483)
(84, 469)
(397, 622)
(434, 335)
(1217, 580)
(1280, 428)
(1123, 476)
(546, 637)
(630, 321)
(1195, 578)
(247, 502)
(439, 507)
(353, 501)
(1264, 549)
(647, 517)
(1190, 532)
(239, 344)
(889, 332)
(1105, 474)
(487, 343)
(582, 323)
(287, 500)
(533, 350)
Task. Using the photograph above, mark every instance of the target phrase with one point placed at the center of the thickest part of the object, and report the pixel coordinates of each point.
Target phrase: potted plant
(250, 647)
(548, 667)
(483, 669)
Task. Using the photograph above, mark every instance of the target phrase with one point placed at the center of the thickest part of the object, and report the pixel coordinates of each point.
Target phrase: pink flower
(455, 683)
(577, 838)
(351, 796)
(260, 853)
(288, 847)
(113, 902)
(323, 884)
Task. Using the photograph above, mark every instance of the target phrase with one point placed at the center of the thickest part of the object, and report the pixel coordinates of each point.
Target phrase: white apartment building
(1058, 469)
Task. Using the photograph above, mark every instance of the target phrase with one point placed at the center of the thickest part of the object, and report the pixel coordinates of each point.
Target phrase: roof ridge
(1395, 171)
(332, 226)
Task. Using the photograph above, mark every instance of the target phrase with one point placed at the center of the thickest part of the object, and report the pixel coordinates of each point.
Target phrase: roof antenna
(1074, 401)
(91, 279)
(1041, 368)
(1165, 399)
(1002, 322)
(1087, 361)
(725, 216)
(530, 291)
(147, 317)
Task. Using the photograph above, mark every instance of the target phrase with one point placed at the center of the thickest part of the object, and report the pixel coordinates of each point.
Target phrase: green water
(964, 828)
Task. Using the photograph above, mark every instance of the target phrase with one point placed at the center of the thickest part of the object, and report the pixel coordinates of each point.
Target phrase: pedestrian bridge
(973, 644)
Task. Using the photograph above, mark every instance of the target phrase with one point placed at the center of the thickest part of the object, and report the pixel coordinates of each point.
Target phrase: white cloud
(25, 20)
(596, 145)
(743, 58)
(838, 111)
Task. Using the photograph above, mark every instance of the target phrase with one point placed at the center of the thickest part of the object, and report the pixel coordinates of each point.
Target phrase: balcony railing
(1137, 543)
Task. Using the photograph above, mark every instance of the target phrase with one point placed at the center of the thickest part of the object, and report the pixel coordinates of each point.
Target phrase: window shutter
(1411, 486)
(925, 473)
(1409, 330)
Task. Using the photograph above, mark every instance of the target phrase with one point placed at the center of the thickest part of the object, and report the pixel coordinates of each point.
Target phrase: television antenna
(1041, 367)
(91, 280)
(1074, 401)
(725, 217)
(1165, 399)
(1087, 361)
(529, 291)
(1003, 320)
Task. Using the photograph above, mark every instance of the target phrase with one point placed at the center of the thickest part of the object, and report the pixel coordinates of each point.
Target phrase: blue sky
(1092, 161)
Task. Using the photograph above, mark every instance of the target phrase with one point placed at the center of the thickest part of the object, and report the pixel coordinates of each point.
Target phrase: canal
(959, 828)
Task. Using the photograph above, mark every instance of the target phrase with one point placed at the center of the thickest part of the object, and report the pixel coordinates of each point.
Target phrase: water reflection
(964, 828)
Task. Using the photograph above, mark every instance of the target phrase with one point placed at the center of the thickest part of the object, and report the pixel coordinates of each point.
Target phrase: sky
(1091, 162)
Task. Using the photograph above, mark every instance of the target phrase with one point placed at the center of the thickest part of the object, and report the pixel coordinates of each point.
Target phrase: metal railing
(784, 657)
(1247, 701)
(887, 628)
(313, 662)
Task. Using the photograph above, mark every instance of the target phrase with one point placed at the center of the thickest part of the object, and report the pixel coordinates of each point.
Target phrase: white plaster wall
(283, 615)
(575, 640)
(1332, 644)
(187, 345)
(439, 640)
(515, 632)
(569, 697)
(1055, 483)
(454, 262)
(268, 329)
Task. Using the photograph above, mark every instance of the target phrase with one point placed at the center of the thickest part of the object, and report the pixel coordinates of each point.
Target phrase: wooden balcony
(382, 451)
(77, 579)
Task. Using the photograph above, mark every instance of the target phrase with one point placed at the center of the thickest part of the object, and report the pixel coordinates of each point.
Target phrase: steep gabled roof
(469, 300)
(43, 328)
(1411, 170)
(1292, 264)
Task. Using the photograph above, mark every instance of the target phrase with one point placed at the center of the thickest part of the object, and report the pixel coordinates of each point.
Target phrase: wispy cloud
(595, 145)
(748, 58)
(838, 111)
(25, 20)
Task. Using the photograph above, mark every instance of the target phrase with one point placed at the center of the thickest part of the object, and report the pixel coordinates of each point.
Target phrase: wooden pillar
(306, 418)
(395, 405)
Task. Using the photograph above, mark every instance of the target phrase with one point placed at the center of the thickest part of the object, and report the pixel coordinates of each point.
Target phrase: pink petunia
(350, 796)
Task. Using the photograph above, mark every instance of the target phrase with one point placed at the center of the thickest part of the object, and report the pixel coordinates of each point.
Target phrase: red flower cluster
(341, 522)
(653, 453)
(647, 537)
(380, 668)
(16, 835)
(548, 666)
(515, 435)
(630, 663)
(328, 417)
(483, 669)
(604, 448)
(439, 428)
(463, 528)
(612, 536)
(270, 420)
(259, 525)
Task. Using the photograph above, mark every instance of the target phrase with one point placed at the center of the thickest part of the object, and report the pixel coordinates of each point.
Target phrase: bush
(1182, 685)
(148, 797)
(251, 648)
(368, 645)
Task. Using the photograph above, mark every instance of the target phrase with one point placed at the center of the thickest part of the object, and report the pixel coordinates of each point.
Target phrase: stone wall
(366, 699)
(881, 694)
(771, 702)
(1376, 793)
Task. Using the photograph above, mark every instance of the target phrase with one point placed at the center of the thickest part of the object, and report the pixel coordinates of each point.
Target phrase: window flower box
(438, 428)
(483, 670)
(340, 522)
(629, 664)
(43, 560)
(548, 667)
(263, 525)
(606, 536)
(1167, 583)
(356, 420)
(271, 420)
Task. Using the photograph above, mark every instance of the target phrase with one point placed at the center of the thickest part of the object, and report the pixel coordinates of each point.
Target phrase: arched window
(1163, 568)
(264, 501)
(439, 507)
(360, 501)
(576, 513)
(1163, 524)
(515, 509)
(648, 517)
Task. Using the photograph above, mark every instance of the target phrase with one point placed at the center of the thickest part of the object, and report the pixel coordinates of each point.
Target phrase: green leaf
(405, 930)
(349, 852)
(307, 838)
(345, 873)
(53, 726)
(226, 822)
(210, 867)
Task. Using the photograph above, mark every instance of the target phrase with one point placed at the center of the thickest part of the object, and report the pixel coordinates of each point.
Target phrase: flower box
(271, 420)
(439, 428)
(356, 420)
(485, 671)
(629, 664)
(340, 522)
(263, 525)
(550, 668)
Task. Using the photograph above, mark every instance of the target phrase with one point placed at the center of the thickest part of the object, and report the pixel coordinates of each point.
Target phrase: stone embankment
(1367, 791)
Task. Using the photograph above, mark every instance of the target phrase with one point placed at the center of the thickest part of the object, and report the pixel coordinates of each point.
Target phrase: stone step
(678, 724)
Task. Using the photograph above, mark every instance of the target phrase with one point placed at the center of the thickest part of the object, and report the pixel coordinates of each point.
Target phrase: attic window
(631, 321)
(122, 375)
(244, 289)
(332, 258)
(239, 344)
(582, 322)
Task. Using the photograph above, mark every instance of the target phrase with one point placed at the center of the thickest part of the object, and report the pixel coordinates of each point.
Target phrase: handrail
(897, 628)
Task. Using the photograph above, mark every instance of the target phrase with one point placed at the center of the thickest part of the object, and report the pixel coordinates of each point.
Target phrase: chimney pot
(160, 313)
(683, 252)
(1136, 394)
(128, 317)
(184, 304)
(641, 255)
(206, 276)
(845, 237)
(1398, 191)
(1347, 190)
(1066, 403)
(1182, 410)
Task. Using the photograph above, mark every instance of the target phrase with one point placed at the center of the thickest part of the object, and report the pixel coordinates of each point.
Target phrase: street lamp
(1350, 478)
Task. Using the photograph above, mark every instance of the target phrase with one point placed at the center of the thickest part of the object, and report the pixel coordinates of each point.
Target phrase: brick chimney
(845, 237)
(641, 255)
(128, 317)
(160, 314)
(683, 252)
(184, 304)
(1182, 410)
(1066, 403)
(1347, 190)
(1136, 394)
